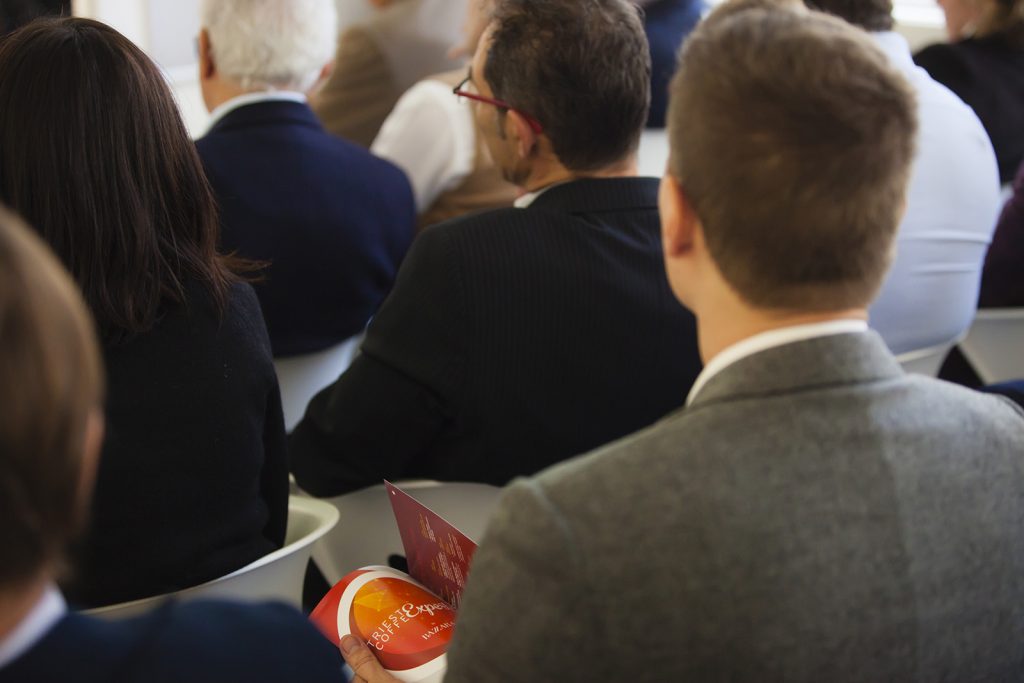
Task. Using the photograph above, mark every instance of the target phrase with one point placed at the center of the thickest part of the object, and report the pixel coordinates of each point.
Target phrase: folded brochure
(405, 619)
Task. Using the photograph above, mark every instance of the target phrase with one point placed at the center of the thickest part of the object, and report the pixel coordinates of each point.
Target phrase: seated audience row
(517, 338)
(51, 428)
(814, 513)
(432, 137)
(434, 370)
(805, 466)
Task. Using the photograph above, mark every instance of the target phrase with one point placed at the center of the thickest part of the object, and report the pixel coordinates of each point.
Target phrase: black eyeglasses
(459, 91)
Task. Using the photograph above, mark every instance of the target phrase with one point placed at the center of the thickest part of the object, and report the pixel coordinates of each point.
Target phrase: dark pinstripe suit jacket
(513, 339)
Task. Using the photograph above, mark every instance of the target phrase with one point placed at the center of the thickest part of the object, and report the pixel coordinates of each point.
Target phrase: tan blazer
(379, 60)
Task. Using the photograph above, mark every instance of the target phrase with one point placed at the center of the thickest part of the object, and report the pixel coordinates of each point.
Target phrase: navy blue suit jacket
(198, 642)
(667, 23)
(332, 220)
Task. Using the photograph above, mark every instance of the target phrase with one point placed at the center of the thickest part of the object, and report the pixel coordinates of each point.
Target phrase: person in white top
(380, 58)
(430, 134)
(931, 293)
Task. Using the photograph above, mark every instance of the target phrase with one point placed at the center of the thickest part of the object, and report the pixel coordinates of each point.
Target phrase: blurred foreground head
(51, 388)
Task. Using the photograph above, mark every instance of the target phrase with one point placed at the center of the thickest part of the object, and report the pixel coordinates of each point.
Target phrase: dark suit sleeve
(227, 642)
(380, 417)
(526, 614)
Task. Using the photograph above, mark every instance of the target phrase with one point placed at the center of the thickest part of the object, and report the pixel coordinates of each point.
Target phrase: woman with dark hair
(193, 477)
(984, 65)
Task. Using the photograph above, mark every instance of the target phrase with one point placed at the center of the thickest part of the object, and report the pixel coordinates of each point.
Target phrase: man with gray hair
(332, 221)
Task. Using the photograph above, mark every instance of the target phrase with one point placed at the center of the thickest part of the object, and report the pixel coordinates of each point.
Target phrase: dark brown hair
(582, 69)
(870, 15)
(793, 138)
(94, 155)
(51, 379)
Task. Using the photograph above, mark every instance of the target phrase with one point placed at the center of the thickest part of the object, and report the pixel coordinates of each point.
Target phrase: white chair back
(994, 345)
(302, 377)
(370, 534)
(277, 576)
(925, 361)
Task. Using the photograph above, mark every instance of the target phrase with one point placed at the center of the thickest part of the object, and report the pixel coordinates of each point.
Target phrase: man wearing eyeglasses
(517, 338)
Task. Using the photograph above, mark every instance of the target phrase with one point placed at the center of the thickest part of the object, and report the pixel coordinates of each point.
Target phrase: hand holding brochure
(402, 618)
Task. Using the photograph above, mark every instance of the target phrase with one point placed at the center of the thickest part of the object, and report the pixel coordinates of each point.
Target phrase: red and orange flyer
(407, 620)
(437, 552)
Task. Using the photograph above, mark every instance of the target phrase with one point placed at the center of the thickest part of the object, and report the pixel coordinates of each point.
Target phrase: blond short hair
(793, 138)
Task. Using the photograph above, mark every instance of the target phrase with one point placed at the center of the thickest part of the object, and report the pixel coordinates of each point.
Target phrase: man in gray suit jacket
(813, 513)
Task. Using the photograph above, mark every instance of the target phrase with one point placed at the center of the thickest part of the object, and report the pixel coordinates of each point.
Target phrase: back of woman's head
(94, 155)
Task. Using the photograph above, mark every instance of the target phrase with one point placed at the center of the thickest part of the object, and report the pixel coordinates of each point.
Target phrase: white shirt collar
(252, 98)
(770, 339)
(525, 200)
(50, 609)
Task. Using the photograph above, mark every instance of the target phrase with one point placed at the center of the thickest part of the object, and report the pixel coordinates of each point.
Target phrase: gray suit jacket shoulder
(814, 515)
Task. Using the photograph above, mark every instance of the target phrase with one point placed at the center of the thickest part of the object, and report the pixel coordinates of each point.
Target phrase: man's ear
(679, 221)
(207, 66)
(517, 126)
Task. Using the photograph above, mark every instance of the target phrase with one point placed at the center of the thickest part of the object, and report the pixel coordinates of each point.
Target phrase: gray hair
(271, 44)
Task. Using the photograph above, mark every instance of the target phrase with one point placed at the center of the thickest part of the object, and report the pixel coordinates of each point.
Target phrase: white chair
(277, 576)
(301, 377)
(995, 344)
(369, 534)
(925, 361)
